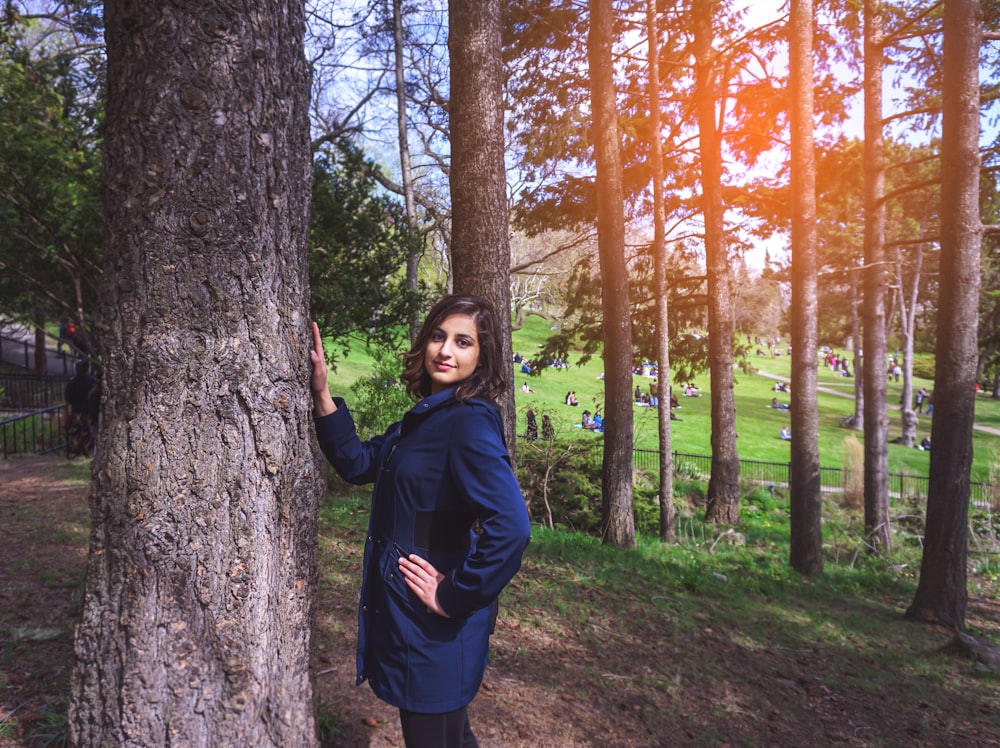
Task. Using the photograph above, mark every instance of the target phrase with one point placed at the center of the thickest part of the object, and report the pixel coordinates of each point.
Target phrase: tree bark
(197, 612)
(723, 485)
(942, 594)
(876, 432)
(806, 500)
(668, 511)
(480, 244)
(618, 522)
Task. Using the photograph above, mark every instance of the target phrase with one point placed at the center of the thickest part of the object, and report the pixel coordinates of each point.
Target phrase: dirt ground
(584, 690)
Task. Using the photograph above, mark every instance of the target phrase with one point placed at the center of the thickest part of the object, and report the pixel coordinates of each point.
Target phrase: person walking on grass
(448, 523)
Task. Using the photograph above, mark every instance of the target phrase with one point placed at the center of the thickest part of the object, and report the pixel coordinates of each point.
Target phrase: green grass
(757, 424)
(661, 626)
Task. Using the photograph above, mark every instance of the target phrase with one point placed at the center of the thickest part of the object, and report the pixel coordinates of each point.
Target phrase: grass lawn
(757, 424)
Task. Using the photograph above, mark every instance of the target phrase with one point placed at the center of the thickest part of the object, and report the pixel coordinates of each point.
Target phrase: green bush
(923, 367)
(566, 475)
(380, 400)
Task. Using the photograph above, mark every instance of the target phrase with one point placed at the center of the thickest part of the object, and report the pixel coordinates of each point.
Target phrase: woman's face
(452, 352)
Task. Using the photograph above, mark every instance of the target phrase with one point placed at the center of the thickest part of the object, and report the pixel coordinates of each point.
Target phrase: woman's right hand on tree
(322, 402)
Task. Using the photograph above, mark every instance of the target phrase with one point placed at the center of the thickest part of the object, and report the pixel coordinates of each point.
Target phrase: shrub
(380, 400)
(561, 482)
(923, 367)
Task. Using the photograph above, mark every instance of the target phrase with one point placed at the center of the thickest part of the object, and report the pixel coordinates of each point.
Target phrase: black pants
(447, 730)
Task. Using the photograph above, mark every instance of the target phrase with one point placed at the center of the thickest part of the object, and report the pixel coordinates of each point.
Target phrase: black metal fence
(699, 467)
(26, 392)
(21, 353)
(40, 432)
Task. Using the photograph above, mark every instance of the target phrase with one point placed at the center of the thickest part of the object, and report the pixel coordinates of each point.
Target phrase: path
(850, 395)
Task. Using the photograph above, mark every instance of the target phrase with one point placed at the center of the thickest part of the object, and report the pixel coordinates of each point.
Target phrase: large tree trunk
(197, 612)
(406, 171)
(617, 520)
(724, 482)
(942, 594)
(877, 527)
(806, 500)
(666, 491)
(480, 244)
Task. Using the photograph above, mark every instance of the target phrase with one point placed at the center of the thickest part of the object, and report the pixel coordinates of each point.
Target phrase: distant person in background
(786, 433)
(548, 430)
(81, 423)
(531, 432)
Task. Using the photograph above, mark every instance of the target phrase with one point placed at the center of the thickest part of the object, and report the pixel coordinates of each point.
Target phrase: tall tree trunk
(942, 594)
(41, 362)
(480, 246)
(617, 520)
(877, 528)
(908, 317)
(666, 491)
(197, 613)
(806, 500)
(857, 363)
(723, 484)
(409, 197)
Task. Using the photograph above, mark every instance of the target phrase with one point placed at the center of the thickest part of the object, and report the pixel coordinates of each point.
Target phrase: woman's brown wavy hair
(488, 380)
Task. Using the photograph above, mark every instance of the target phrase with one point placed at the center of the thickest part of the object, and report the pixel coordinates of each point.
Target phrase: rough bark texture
(480, 243)
(806, 501)
(618, 522)
(668, 511)
(723, 484)
(942, 593)
(197, 614)
(876, 430)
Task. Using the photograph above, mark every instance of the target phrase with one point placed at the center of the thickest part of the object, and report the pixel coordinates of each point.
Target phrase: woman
(82, 412)
(448, 523)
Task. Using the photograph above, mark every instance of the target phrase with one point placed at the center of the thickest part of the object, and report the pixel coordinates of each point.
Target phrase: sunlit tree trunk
(942, 593)
(480, 245)
(908, 317)
(197, 614)
(617, 521)
(723, 484)
(876, 481)
(666, 492)
(856, 362)
(806, 500)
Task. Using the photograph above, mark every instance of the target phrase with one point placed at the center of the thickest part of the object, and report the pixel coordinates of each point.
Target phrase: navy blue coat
(438, 472)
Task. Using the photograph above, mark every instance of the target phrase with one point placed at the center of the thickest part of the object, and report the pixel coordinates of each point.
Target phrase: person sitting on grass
(785, 433)
(778, 406)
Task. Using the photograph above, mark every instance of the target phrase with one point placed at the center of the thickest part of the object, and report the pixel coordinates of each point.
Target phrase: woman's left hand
(423, 579)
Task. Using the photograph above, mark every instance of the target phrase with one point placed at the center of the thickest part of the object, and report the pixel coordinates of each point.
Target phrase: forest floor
(622, 677)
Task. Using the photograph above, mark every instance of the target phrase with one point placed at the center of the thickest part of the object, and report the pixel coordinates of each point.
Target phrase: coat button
(390, 576)
(364, 608)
